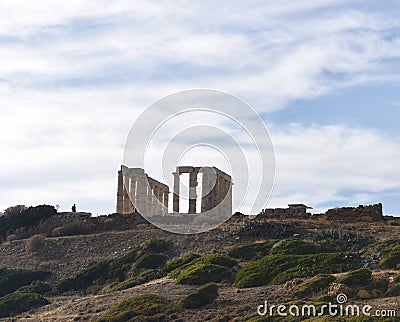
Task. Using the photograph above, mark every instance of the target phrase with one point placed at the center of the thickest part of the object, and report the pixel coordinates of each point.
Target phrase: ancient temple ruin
(138, 192)
(216, 192)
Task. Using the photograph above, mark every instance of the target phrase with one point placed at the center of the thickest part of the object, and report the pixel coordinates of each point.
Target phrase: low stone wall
(370, 213)
(283, 213)
(363, 213)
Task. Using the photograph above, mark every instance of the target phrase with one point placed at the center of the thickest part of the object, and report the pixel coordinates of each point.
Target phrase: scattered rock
(289, 285)
(363, 294)
(337, 288)
(376, 293)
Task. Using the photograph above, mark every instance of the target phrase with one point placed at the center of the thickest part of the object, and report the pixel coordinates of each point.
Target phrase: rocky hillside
(55, 271)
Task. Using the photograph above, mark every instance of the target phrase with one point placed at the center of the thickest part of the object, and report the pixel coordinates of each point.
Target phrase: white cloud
(324, 164)
(75, 74)
(25, 18)
(244, 49)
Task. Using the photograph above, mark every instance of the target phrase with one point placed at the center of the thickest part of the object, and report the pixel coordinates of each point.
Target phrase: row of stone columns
(219, 195)
(157, 197)
(175, 198)
(216, 190)
(137, 192)
(192, 192)
(193, 172)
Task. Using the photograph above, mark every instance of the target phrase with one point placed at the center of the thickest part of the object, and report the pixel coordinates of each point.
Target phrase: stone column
(208, 182)
(150, 199)
(120, 193)
(156, 200)
(132, 192)
(205, 194)
(126, 204)
(229, 198)
(214, 195)
(176, 192)
(165, 209)
(160, 195)
(192, 192)
(224, 199)
(142, 197)
(220, 198)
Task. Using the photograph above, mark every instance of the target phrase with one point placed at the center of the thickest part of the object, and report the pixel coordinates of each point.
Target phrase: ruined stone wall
(364, 213)
(284, 213)
(137, 192)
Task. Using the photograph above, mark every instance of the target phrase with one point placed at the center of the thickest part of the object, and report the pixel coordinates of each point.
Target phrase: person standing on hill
(74, 208)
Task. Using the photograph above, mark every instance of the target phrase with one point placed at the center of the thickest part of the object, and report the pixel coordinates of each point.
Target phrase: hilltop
(91, 264)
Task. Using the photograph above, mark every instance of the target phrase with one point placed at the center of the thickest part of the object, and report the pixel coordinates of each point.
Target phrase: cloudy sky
(324, 75)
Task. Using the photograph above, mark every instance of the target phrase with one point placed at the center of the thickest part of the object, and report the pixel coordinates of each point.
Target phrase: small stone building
(293, 210)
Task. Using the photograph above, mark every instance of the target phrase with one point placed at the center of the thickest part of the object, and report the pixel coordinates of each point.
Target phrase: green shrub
(151, 260)
(359, 277)
(158, 246)
(381, 247)
(396, 279)
(252, 251)
(282, 247)
(388, 251)
(179, 262)
(313, 285)
(85, 279)
(391, 257)
(205, 269)
(115, 269)
(203, 295)
(13, 279)
(14, 211)
(281, 268)
(36, 287)
(145, 307)
(214, 259)
(143, 277)
(18, 302)
(118, 266)
(296, 247)
(20, 216)
(198, 274)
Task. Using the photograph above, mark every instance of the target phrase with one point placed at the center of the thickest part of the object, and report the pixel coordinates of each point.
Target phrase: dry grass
(35, 243)
(66, 256)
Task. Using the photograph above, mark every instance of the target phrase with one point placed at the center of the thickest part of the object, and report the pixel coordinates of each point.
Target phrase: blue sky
(324, 76)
